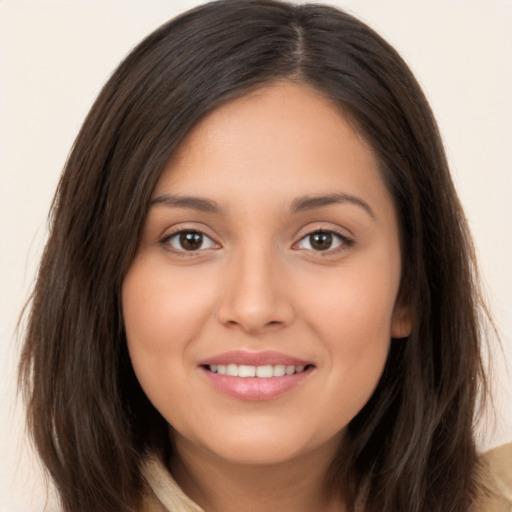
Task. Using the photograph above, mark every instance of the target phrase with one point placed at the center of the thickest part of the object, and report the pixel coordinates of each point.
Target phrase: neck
(219, 485)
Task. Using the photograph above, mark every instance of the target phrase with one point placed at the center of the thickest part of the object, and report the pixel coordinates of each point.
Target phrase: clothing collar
(167, 492)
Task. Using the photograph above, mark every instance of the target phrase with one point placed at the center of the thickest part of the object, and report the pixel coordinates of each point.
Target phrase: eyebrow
(187, 202)
(313, 202)
(300, 204)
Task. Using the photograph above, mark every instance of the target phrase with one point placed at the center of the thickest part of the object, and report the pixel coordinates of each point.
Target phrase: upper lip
(262, 358)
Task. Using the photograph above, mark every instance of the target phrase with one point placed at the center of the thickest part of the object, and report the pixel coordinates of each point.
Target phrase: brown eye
(323, 241)
(188, 241)
(191, 241)
(320, 241)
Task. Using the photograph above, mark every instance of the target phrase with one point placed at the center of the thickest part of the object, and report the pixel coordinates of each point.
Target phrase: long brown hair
(412, 446)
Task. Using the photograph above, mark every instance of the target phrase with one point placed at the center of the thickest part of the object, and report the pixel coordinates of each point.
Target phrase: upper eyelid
(183, 227)
(325, 227)
(185, 230)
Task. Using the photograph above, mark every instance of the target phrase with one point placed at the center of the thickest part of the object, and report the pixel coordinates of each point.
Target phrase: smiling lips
(262, 372)
(257, 375)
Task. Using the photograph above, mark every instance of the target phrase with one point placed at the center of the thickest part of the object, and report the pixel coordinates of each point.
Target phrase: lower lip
(255, 388)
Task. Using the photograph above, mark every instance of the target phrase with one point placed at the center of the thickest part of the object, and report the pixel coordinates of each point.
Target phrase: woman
(259, 279)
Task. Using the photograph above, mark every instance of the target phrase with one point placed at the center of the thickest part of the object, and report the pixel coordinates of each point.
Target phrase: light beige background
(54, 57)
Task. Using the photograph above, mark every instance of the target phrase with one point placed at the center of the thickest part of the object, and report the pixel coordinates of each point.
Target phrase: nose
(256, 295)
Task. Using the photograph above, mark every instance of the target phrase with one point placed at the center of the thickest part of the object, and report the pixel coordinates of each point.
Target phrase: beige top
(496, 477)
(496, 471)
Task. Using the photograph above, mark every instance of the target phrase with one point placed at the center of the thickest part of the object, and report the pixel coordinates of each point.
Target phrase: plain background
(54, 57)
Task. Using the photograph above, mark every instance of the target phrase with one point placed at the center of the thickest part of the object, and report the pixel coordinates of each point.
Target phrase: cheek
(354, 305)
(358, 333)
(353, 317)
(160, 307)
(162, 312)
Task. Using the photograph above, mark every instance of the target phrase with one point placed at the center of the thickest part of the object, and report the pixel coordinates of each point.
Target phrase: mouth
(256, 376)
(261, 372)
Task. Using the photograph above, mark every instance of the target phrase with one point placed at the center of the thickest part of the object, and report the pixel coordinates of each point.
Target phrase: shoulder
(495, 479)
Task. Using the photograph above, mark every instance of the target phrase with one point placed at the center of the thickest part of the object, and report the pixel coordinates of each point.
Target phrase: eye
(188, 241)
(323, 240)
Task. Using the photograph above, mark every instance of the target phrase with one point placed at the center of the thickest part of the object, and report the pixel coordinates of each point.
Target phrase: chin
(263, 446)
(258, 454)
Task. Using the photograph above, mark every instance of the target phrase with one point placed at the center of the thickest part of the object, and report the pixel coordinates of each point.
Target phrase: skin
(258, 283)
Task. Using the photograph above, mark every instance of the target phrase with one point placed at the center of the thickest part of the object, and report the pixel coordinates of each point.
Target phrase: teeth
(289, 370)
(279, 370)
(263, 372)
(246, 371)
(232, 369)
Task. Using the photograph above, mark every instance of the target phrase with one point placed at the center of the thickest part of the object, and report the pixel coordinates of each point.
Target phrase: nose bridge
(255, 297)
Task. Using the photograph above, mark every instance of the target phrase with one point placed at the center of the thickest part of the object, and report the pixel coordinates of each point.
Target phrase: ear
(401, 321)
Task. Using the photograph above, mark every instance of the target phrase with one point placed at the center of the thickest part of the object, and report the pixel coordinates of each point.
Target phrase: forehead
(284, 139)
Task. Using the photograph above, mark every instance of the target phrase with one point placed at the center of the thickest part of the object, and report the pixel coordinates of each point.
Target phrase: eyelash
(343, 241)
(165, 241)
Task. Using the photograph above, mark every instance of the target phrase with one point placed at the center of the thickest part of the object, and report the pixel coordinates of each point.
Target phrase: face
(260, 306)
